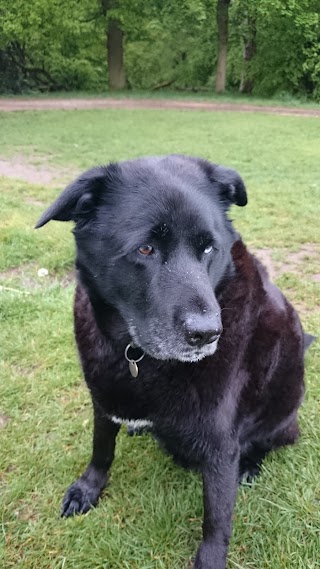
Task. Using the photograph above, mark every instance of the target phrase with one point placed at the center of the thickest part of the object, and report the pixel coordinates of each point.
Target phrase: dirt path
(106, 103)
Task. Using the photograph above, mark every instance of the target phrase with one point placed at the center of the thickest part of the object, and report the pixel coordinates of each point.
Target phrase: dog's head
(153, 241)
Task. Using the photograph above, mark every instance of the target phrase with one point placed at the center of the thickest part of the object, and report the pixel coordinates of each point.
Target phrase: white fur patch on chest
(133, 423)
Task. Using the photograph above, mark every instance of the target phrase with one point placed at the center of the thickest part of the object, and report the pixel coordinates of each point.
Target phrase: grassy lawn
(150, 516)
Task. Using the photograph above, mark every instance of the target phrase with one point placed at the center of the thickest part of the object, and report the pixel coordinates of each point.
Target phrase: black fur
(222, 376)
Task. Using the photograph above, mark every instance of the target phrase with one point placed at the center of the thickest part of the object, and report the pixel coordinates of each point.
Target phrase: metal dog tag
(134, 370)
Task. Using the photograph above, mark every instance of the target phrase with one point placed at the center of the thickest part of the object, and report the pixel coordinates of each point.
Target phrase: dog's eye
(146, 250)
(208, 249)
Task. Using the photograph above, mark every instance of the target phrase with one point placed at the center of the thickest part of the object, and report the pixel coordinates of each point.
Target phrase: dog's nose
(200, 331)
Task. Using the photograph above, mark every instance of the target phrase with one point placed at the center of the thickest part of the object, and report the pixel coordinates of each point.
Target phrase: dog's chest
(146, 401)
(134, 401)
(131, 423)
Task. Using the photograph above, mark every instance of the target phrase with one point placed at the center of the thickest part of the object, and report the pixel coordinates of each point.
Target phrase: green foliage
(58, 45)
(52, 44)
(168, 42)
(295, 49)
(288, 45)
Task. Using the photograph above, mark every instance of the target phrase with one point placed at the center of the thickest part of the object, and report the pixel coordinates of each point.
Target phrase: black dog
(163, 274)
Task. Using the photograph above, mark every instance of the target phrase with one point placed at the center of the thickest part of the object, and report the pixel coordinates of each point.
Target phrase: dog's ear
(78, 199)
(231, 186)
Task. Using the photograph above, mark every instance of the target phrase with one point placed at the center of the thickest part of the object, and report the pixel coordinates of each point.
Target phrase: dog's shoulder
(272, 317)
(253, 291)
(255, 278)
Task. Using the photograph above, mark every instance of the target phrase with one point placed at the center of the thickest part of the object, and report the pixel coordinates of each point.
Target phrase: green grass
(150, 516)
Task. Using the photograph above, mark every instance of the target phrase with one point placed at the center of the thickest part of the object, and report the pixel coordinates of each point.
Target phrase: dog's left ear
(78, 199)
(231, 186)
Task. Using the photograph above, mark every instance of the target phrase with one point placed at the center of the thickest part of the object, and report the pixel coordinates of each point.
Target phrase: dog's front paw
(79, 498)
(209, 557)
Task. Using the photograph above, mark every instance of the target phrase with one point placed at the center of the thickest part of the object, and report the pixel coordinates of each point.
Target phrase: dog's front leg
(84, 493)
(220, 481)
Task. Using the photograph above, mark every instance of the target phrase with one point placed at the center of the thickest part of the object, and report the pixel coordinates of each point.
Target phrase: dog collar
(133, 364)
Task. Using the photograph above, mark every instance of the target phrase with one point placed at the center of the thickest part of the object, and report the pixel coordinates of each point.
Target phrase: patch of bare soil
(265, 256)
(300, 307)
(297, 263)
(25, 511)
(294, 262)
(26, 276)
(32, 201)
(4, 419)
(159, 104)
(21, 168)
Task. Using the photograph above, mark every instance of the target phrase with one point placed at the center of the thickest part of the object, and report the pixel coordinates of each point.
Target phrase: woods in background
(265, 47)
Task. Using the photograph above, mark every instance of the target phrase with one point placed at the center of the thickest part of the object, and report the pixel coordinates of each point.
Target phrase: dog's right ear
(232, 188)
(78, 199)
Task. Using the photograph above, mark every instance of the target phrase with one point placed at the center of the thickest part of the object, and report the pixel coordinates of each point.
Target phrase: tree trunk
(222, 21)
(116, 72)
(115, 40)
(249, 51)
